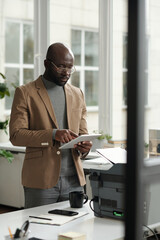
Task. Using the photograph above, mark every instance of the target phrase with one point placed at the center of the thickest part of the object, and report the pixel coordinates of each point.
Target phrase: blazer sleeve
(19, 126)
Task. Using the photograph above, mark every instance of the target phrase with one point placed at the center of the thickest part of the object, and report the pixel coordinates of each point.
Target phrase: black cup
(77, 199)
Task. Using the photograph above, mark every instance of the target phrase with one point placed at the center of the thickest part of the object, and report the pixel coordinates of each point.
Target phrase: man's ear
(46, 63)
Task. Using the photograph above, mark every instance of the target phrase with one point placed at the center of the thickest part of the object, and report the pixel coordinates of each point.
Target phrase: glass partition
(152, 107)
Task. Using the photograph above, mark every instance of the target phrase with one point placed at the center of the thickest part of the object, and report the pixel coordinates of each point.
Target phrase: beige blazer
(31, 124)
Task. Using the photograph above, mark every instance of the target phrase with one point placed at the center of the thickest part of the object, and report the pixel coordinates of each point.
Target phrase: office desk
(10, 174)
(94, 228)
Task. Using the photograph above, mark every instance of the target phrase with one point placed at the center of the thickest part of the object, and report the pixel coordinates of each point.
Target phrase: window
(19, 52)
(85, 47)
(125, 69)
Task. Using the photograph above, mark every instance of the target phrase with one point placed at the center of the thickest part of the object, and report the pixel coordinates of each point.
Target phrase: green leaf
(2, 76)
(7, 93)
(1, 95)
(108, 137)
(6, 154)
(101, 137)
(14, 85)
(4, 90)
(3, 126)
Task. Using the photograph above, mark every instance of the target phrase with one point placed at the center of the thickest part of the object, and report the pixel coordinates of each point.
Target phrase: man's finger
(73, 134)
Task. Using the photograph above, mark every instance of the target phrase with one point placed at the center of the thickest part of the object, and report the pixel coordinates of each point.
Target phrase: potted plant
(101, 140)
(3, 88)
(104, 136)
(4, 91)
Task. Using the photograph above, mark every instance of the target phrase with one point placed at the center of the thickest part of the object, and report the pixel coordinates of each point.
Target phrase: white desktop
(93, 227)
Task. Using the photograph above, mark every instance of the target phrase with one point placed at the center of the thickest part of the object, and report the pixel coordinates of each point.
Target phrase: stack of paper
(72, 236)
(113, 155)
(55, 219)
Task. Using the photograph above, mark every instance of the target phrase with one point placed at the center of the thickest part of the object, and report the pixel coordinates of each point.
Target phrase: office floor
(5, 209)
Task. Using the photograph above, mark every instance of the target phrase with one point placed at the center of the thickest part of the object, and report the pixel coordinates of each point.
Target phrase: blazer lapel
(46, 100)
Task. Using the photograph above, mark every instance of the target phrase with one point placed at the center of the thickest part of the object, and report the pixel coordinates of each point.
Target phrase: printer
(108, 191)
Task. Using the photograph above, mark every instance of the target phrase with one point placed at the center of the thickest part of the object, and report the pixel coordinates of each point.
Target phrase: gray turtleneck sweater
(57, 97)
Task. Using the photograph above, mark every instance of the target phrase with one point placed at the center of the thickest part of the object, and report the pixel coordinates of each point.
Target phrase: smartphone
(63, 212)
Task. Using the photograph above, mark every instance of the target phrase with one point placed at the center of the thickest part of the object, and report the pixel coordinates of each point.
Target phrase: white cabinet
(11, 189)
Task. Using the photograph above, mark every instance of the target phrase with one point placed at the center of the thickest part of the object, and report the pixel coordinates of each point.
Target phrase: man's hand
(83, 147)
(65, 135)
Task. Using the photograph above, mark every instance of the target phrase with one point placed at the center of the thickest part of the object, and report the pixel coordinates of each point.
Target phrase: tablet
(81, 138)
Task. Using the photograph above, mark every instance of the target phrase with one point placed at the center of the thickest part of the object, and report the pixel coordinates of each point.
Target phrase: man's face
(59, 68)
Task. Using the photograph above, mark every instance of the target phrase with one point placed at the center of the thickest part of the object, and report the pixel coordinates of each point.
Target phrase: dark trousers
(37, 197)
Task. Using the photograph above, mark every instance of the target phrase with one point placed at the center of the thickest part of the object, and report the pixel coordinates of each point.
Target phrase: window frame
(125, 70)
(82, 68)
(21, 66)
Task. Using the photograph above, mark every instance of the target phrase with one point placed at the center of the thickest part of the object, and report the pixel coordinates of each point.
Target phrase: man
(46, 113)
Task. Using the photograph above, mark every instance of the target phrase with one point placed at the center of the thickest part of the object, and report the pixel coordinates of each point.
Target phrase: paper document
(92, 155)
(72, 236)
(114, 155)
(81, 138)
(54, 219)
(97, 161)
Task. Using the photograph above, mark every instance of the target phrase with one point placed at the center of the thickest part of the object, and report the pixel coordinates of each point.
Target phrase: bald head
(58, 49)
(58, 56)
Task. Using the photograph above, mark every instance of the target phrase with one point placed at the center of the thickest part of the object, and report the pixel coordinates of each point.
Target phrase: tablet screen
(81, 138)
